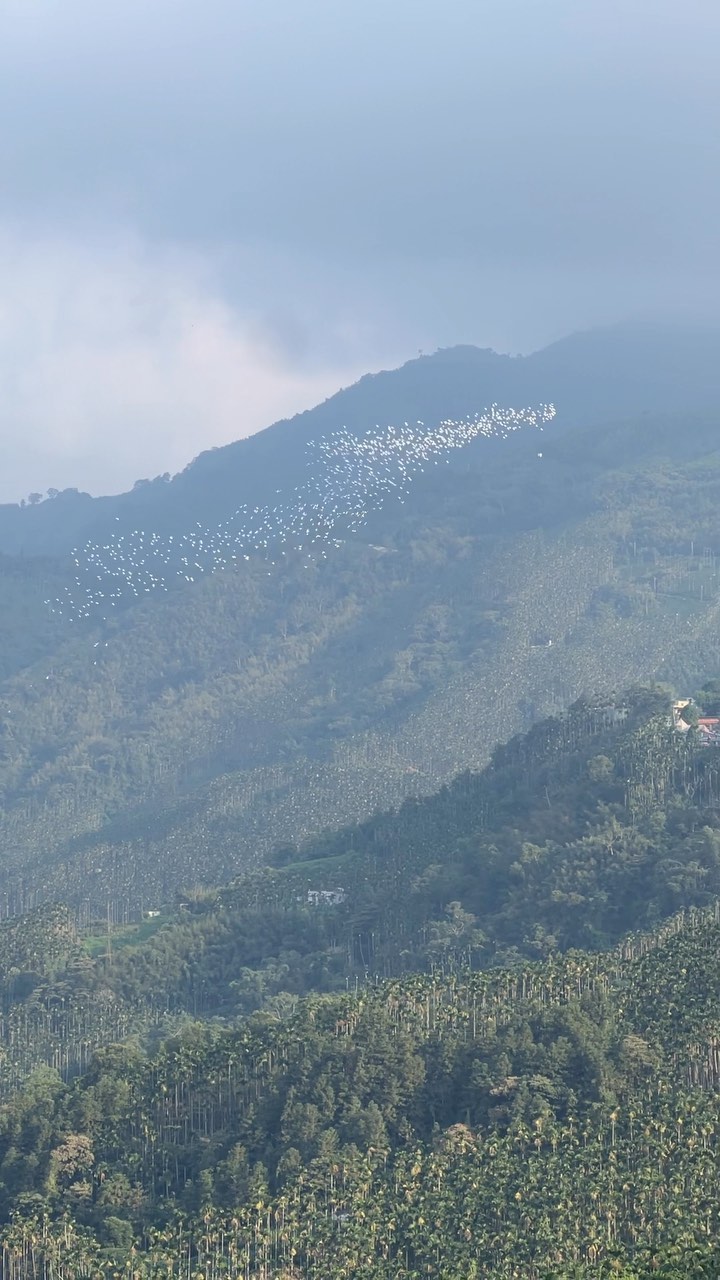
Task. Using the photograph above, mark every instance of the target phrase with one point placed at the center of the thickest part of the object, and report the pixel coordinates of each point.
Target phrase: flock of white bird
(350, 476)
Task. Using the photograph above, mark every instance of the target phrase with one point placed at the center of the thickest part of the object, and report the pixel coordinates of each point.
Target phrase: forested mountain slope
(189, 736)
(588, 827)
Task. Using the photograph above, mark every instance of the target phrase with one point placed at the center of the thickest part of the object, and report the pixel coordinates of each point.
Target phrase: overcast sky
(214, 213)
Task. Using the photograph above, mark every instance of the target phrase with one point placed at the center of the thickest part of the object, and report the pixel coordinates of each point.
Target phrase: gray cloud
(119, 361)
(340, 184)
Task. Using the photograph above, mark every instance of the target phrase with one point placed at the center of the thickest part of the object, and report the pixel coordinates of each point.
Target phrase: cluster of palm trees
(628, 1169)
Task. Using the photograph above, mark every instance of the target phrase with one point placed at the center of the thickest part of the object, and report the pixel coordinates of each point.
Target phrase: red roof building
(709, 728)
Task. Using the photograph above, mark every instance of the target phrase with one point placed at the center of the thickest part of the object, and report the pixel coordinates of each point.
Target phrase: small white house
(325, 897)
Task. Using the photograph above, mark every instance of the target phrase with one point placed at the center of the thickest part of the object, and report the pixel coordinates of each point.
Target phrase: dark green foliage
(589, 826)
(536, 1122)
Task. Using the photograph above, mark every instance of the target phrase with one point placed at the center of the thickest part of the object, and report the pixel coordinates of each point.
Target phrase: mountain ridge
(593, 377)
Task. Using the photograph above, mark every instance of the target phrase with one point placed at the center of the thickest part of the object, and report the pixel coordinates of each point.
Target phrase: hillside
(187, 737)
(584, 829)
